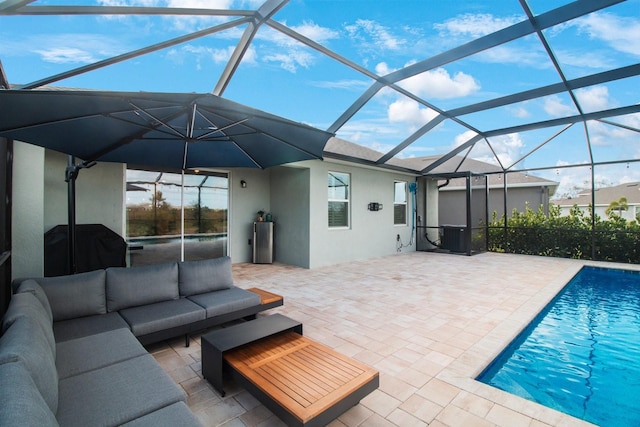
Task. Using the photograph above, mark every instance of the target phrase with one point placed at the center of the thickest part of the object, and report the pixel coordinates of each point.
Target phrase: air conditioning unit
(454, 238)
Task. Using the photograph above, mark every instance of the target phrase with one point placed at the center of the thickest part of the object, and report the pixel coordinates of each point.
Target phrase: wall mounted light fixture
(243, 183)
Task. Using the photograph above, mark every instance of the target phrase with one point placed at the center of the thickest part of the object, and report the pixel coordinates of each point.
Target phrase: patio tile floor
(428, 322)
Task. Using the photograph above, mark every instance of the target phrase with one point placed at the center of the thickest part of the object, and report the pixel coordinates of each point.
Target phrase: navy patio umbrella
(178, 131)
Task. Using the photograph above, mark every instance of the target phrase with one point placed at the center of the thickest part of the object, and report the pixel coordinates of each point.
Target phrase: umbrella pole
(71, 174)
(182, 217)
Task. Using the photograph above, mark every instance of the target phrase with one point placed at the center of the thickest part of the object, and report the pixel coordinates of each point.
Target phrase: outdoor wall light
(243, 183)
(374, 206)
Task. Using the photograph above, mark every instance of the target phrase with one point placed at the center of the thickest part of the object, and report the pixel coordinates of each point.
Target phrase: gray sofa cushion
(225, 301)
(132, 287)
(197, 277)
(116, 394)
(76, 295)
(26, 304)
(162, 315)
(84, 326)
(96, 351)
(34, 288)
(21, 405)
(24, 341)
(177, 414)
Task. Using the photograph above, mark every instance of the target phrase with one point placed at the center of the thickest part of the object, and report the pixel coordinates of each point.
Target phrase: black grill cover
(97, 247)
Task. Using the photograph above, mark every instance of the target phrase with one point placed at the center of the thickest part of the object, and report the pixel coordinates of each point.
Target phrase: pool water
(581, 354)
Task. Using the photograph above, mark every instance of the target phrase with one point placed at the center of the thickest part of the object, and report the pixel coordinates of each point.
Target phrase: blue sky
(284, 77)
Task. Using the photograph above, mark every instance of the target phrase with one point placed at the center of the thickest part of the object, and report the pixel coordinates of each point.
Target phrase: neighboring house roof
(340, 148)
(604, 196)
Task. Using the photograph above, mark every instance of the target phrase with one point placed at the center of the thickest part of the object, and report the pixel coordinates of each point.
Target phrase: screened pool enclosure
(538, 88)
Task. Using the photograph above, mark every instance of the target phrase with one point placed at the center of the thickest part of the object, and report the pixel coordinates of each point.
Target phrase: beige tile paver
(428, 322)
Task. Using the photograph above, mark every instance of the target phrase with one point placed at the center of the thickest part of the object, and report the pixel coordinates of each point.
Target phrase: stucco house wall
(295, 194)
(371, 233)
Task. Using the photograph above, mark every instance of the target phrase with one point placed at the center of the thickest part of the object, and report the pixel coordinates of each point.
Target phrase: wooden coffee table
(300, 380)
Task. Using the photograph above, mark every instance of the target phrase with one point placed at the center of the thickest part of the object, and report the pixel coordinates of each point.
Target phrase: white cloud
(66, 55)
(475, 25)
(202, 53)
(409, 112)
(584, 59)
(533, 56)
(621, 33)
(463, 137)
(179, 23)
(439, 84)
(508, 148)
(75, 48)
(554, 106)
(371, 35)
(519, 111)
(436, 83)
(291, 60)
(288, 52)
(315, 32)
(352, 85)
(594, 98)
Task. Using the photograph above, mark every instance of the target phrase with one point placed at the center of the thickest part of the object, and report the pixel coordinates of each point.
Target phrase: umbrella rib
(160, 121)
(217, 129)
(221, 111)
(127, 140)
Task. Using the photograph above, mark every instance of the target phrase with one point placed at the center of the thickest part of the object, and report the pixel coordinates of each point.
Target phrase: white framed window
(339, 194)
(400, 203)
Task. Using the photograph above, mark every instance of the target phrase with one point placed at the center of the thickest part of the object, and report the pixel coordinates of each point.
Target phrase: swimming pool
(581, 354)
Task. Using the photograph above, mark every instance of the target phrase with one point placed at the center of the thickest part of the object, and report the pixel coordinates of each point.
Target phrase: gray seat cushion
(21, 403)
(89, 325)
(162, 315)
(76, 295)
(136, 286)
(197, 277)
(24, 341)
(177, 414)
(225, 301)
(116, 394)
(31, 286)
(26, 304)
(96, 351)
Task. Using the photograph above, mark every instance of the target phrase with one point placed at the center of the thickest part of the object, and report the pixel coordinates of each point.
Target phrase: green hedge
(570, 236)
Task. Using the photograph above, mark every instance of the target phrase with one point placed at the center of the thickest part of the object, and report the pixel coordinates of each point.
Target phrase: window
(400, 203)
(338, 188)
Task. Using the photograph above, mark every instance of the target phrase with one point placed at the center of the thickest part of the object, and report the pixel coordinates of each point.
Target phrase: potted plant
(260, 216)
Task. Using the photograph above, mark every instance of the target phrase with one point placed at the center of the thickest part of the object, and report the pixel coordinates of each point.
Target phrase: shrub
(571, 236)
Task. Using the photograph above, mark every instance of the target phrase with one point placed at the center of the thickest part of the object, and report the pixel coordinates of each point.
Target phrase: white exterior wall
(27, 226)
(244, 205)
(290, 201)
(371, 234)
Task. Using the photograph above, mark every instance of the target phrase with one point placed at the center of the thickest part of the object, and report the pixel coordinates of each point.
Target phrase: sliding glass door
(155, 219)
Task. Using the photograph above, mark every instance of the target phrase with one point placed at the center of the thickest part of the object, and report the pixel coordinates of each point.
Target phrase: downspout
(467, 234)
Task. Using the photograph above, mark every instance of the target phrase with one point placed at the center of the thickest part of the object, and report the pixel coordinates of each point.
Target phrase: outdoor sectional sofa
(71, 350)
